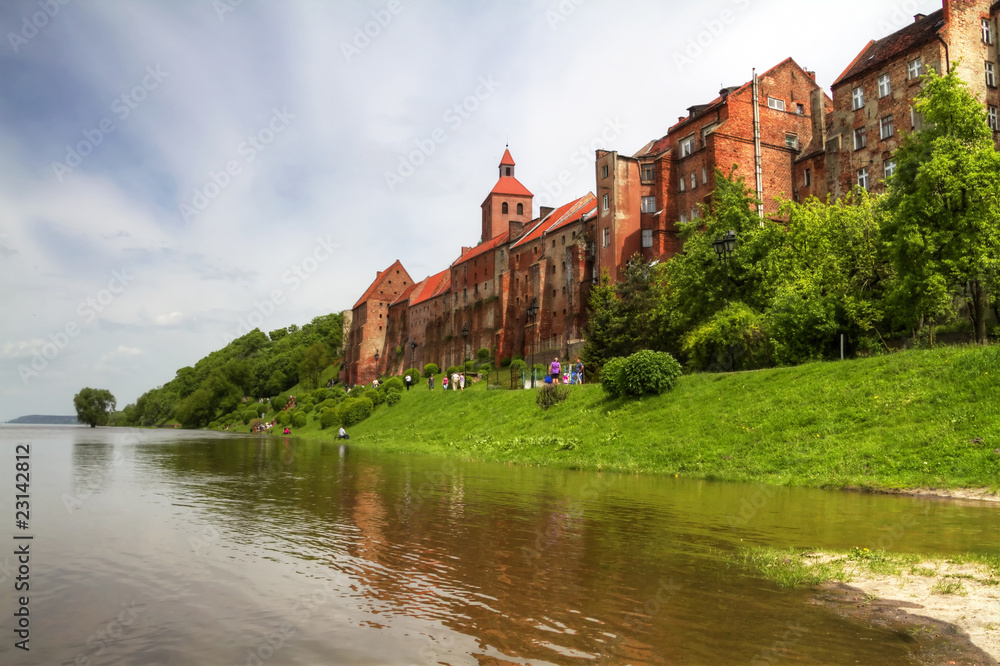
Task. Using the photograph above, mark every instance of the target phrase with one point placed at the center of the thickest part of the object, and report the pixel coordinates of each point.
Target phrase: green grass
(916, 419)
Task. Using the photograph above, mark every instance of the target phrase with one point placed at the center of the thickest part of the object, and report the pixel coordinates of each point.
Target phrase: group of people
(557, 375)
(457, 382)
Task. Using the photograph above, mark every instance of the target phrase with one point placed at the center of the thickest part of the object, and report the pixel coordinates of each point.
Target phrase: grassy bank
(916, 419)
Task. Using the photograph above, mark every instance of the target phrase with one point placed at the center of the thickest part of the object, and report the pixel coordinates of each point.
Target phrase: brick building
(369, 320)
(642, 198)
(873, 98)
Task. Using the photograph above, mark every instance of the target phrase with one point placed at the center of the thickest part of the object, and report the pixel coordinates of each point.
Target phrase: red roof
(510, 185)
(560, 217)
(378, 279)
(482, 248)
(507, 159)
(877, 53)
(431, 287)
(403, 297)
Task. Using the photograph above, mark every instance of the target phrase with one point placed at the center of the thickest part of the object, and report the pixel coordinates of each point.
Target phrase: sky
(174, 173)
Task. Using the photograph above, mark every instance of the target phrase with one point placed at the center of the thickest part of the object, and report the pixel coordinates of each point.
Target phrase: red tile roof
(378, 278)
(510, 185)
(507, 159)
(560, 217)
(431, 287)
(877, 53)
(482, 248)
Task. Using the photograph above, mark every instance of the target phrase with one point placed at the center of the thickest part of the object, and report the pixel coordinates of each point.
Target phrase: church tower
(509, 201)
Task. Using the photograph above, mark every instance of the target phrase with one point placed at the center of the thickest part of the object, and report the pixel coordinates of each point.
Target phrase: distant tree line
(254, 366)
(922, 256)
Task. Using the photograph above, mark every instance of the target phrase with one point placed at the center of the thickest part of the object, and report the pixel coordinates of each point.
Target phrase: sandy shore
(966, 596)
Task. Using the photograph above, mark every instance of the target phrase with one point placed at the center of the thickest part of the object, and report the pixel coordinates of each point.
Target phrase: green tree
(314, 360)
(943, 205)
(94, 406)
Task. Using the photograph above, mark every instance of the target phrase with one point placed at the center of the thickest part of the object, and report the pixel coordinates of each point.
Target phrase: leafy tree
(313, 362)
(943, 205)
(94, 406)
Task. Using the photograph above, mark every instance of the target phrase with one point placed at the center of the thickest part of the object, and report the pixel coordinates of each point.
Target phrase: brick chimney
(817, 104)
(544, 212)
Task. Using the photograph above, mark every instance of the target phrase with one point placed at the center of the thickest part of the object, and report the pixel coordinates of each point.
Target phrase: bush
(299, 420)
(732, 339)
(392, 383)
(213, 425)
(319, 395)
(517, 366)
(282, 418)
(355, 410)
(308, 407)
(453, 369)
(248, 415)
(261, 408)
(358, 391)
(485, 369)
(329, 419)
(414, 374)
(550, 395)
(376, 396)
(329, 403)
(483, 354)
(505, 363)
(278, 403)
(643, 373)
(393, 396)
(431, 369)
(470, 366)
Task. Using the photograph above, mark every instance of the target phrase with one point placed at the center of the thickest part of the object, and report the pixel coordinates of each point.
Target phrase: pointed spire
(507, 159)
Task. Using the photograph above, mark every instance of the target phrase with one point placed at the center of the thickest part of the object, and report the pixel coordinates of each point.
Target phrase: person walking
(444, 383)
(578, 369)
(461, 381)
(408, 381)
(554, 369)
(430, 383)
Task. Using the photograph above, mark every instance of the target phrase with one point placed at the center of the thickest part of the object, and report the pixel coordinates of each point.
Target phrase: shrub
(278, 402)
(282, 418)
(453, 369)
(299, 419)
(308, 407)
(643, 373)
(517, 367)
(550, 395)
(329, 419)
(261, 408)
(355, 410)
(483, 354)
(376, 396)
(248, 415)
(414, 374)
(319, 395)
(431, 369)
(213, 425)
(485, 369)
(393, 396)
(470, 367)
(329, 403)
(358, 391)
(393, 383)
(505, 363)
(732, 339)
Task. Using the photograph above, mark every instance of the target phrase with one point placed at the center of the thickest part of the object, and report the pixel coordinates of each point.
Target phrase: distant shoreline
(36, 419)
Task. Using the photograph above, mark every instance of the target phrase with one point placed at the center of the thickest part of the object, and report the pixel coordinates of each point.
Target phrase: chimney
(811, 75)
(817, 102)
(516, 229)
(544, 212)
(917, 18)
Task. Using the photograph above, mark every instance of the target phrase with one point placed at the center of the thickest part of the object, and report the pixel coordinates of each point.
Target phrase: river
(169, 547)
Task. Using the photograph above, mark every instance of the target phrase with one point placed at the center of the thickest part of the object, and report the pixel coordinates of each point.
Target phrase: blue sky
(169, 167)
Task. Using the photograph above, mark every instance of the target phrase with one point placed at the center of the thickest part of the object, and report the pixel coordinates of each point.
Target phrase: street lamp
(724, 247)
(376, 365)
(532, 315)
(413, 348)
(465, 334)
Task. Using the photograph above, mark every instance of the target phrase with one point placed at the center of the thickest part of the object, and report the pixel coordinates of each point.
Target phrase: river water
(166, 547)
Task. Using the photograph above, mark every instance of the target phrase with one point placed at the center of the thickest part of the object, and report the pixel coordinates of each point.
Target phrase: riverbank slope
(910, 420)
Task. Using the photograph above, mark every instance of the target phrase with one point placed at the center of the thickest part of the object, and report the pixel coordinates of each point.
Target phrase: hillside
(914, 419)
(44, 420)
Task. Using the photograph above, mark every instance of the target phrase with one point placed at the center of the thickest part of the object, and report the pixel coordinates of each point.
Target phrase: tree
(94, 406)
(943, 206)
(314, 360)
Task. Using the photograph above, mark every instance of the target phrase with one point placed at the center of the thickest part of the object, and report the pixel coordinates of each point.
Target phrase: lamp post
(724, 247)
(532, 315)
(465, 334)
(376, 365)
(413, 348)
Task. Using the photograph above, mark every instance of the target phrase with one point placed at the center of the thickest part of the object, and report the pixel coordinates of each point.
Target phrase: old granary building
(780, 130)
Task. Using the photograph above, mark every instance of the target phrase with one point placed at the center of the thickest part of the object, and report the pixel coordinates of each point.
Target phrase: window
(505, 208)
(704, 176)
(647, 238)
(914, 69)
(776, 104)
(807, 178)
(987, 31)
(800, 109)
(857, 98)
(863, 178)
(694, 182)
(695, 213)
(886, 129)
(687, 146)
(860, 138)
(508, 171)
(991, 75)
(791, 140)
(890, 168)
(684, 218)
(649, 204)
(607, 202)
(884, 88)
(683, 184)
(604, 171)
(520, 209)
(648, 173)
(992, 118)
(607, 236)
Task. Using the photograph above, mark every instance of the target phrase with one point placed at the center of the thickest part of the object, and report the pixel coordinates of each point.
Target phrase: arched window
(520, 209)
(505, 208)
